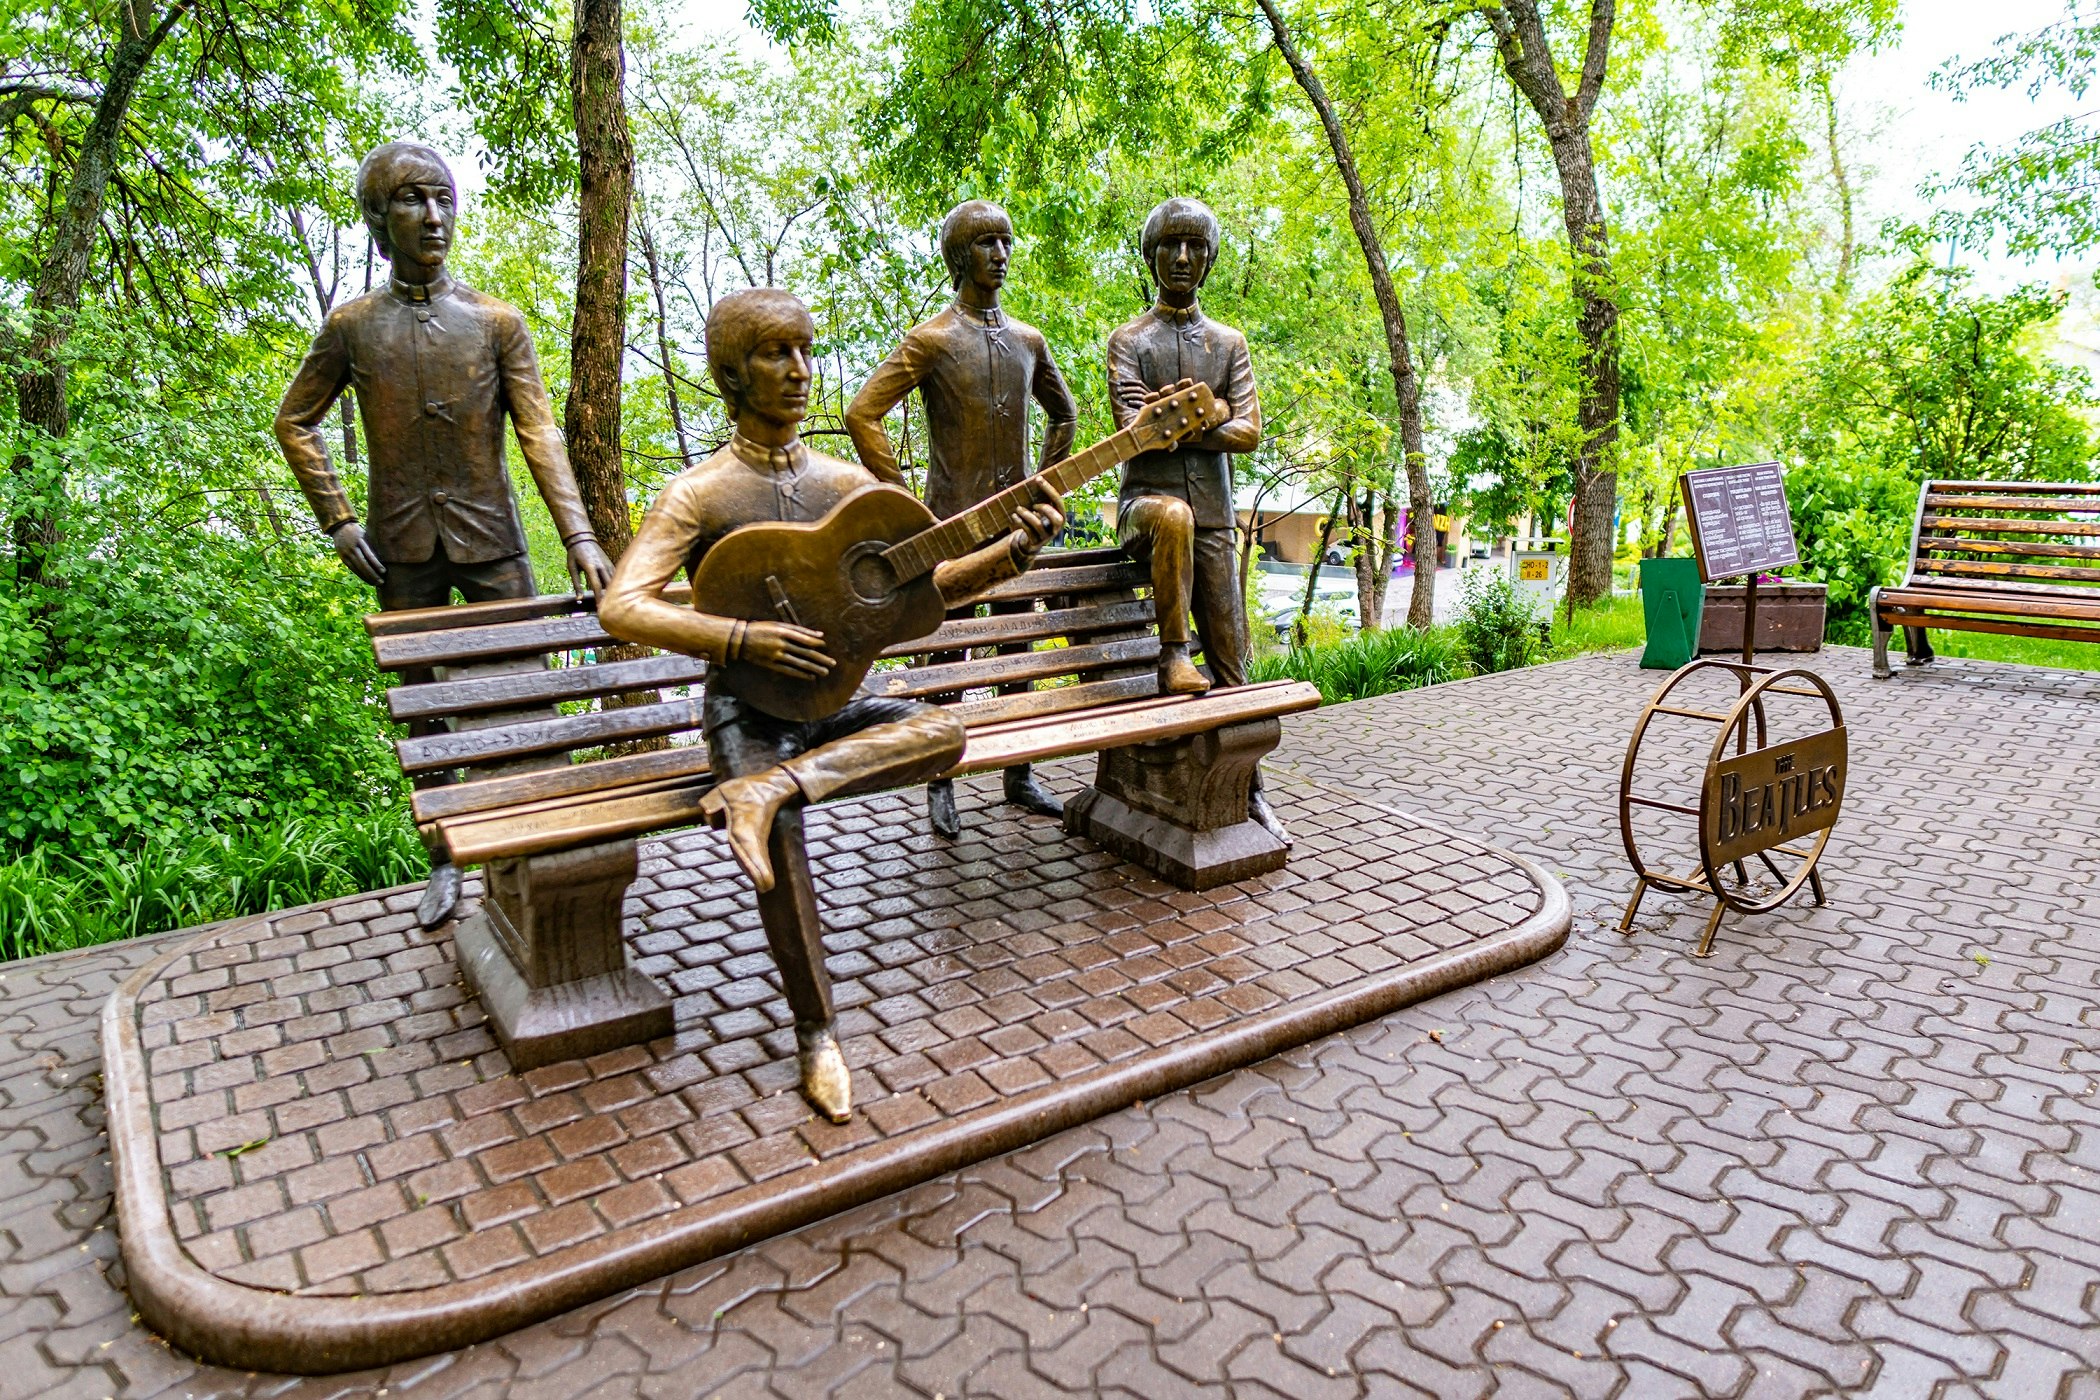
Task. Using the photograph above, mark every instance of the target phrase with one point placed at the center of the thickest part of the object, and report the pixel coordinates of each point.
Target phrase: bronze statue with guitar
(804, 568)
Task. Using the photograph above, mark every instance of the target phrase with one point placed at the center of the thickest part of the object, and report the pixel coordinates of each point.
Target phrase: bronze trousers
(873, 742)
(1193, 569)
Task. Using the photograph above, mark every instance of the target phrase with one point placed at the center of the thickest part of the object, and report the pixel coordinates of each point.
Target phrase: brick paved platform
(327, 1162)
(1842, 1156)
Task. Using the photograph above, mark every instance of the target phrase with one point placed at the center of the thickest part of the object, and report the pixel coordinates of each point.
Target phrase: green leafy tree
(1931, 380)
(2040, 192)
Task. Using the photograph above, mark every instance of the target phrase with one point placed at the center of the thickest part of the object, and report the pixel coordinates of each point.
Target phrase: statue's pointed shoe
(1177, 674)
(826, 1082)
(440, 896)
(1026, 791)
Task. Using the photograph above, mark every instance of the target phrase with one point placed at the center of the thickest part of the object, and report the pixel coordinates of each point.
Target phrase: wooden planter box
(1789, 617)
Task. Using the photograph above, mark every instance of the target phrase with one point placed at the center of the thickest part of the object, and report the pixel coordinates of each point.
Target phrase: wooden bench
(551, 805)
(2019, 558)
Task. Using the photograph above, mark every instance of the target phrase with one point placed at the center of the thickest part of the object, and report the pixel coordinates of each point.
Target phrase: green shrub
(1497, 627)
(1367, 664)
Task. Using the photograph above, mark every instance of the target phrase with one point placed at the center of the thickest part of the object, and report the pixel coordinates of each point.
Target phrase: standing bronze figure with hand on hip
(768, 766)
(437, 367)
(1174, 512)
(975, 368)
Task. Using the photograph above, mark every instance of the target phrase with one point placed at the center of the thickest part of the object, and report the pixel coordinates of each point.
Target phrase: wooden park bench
(556, 791)
(2019, 558)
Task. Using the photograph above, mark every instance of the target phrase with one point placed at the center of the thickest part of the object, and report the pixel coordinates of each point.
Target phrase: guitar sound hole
(870, 575)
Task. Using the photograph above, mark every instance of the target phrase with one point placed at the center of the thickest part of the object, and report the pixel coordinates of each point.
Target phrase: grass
(1614, 625)
(52, 900)
(2023, 651)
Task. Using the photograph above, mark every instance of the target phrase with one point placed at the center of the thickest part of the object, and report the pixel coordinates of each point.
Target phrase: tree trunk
(598, 337)
(663, 347)
(1520, 41)
(1841, 282)
(1421, 605)
(40, 388)
(1312, 571)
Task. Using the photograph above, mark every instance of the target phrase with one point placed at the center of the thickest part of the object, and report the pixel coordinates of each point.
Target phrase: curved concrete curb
(262, 1330)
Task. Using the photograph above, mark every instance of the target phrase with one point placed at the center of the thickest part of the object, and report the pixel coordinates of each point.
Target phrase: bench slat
(2032, 549)
(2055, 631)
(2034, 488)
(1007, 670)
(542, 687)
(1056, 700)
(1084, 578)
(1969, 597)
(1163, 717)
(2005, 502)
(457, 645)
(506, 741)
(2010, 526)
(478, 838)
(960, 634)
(1979, 568)
(427, 805)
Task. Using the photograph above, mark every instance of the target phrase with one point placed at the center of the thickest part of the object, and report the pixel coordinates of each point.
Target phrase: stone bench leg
(545, 956)
(1178, 807)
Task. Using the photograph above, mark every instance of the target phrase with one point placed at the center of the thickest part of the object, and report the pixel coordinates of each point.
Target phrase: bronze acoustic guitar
(863, 575)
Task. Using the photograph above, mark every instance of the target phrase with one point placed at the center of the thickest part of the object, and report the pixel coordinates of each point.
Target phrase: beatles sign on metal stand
(1774, 776)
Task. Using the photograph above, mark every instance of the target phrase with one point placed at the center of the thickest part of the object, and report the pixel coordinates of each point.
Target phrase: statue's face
(777, 375)
(989, 254)
(1181, 261)
(419, 223)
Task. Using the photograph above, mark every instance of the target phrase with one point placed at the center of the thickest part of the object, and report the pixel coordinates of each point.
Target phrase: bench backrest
(535, 690)
(2030, 537)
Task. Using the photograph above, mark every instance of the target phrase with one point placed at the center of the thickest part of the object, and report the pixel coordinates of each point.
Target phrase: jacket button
(438, 498)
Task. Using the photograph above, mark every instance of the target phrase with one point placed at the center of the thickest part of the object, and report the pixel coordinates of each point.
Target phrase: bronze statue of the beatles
(437, 367)
(767, 767)
(975, 368)
(1174, 512)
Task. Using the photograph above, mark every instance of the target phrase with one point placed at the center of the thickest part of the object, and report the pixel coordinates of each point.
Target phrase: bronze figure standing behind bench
(975, 368)
(437, 367)
(767, 766)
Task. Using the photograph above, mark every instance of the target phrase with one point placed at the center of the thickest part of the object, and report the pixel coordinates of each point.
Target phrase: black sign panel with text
(1739, 521)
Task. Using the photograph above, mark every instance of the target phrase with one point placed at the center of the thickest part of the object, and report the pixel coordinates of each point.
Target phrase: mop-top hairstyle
(1179, 217)
(737, 325)
(387, 169)
(966, 223)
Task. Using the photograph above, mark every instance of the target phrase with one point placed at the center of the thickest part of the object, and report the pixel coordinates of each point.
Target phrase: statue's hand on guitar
(1035, 526)
(782, 647)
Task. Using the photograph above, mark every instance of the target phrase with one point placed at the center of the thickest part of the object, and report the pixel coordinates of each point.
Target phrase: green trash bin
(1672, 599)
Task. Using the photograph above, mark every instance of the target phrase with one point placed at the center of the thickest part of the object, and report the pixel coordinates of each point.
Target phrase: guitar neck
(963, 532)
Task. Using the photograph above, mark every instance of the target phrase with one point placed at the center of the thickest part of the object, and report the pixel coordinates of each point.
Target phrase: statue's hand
(1037, 525)
(589, 568)
(783, 647)
(356, 552)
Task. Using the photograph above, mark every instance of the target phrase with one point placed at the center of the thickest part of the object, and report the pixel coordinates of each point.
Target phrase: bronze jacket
(1155, 350)
(975, 371)
(435, 370)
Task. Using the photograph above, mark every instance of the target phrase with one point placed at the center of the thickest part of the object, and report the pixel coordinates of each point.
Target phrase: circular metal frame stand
(1737, 725)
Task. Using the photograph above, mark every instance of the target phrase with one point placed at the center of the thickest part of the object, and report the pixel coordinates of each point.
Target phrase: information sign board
(1739, 520)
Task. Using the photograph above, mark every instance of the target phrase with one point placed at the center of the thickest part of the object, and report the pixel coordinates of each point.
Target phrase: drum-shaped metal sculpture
(1758, 798)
